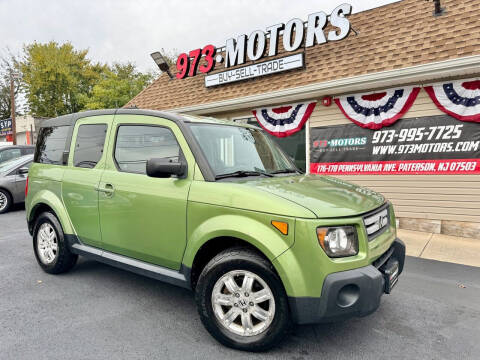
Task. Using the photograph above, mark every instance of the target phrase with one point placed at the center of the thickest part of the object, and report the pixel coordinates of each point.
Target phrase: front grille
(377, 221)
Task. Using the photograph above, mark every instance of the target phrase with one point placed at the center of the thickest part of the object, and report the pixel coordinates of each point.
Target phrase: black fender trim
(179, 278)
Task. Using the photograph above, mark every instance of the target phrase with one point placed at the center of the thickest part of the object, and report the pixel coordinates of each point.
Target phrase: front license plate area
(390, 272)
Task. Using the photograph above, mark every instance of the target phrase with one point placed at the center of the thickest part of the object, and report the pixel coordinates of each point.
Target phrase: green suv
(215, 207)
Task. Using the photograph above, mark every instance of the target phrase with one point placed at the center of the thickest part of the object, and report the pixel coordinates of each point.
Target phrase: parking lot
(100, 312)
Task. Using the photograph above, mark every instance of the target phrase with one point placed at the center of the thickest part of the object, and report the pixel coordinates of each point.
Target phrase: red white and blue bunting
(460, 99)
(285, 120)
(374, 111)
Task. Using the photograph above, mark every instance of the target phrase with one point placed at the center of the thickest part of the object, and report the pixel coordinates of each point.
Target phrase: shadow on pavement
(16, 208)
(301, 341)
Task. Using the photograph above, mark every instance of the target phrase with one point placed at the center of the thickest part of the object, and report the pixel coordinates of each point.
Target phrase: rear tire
(5, 201)
(51, 250)
(251, 313)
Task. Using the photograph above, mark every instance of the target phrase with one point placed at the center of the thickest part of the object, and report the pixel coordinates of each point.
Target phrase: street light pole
(12, 105)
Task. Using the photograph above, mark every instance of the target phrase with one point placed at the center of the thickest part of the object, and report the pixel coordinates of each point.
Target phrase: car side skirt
(179, 278)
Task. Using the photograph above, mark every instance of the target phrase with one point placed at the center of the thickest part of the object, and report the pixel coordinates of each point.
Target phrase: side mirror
(164, 168)
(23, 171)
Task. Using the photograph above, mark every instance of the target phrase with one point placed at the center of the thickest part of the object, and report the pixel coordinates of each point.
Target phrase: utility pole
(32, 141)
(12, 105)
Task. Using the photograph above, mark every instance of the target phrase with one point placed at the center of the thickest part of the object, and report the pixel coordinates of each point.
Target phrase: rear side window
(9, 154)
(51, 145)
(138, 143)
(89, 145)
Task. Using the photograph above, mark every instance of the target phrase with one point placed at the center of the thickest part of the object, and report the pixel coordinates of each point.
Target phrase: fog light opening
(348, 295)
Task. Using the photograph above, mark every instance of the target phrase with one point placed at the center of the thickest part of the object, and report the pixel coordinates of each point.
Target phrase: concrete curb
(454, 249)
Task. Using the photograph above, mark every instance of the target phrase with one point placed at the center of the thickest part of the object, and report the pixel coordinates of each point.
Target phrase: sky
(128, 31)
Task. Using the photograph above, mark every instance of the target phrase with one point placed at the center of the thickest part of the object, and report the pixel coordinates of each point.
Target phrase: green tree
(58, 79)
(118, 84)
(8, 66)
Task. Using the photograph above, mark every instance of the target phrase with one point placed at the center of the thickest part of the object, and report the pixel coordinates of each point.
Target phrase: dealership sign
(255, 70)
(260, 44)
(427, 145)
(5, 126)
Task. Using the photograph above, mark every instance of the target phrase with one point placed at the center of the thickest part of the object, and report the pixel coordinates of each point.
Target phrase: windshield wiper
(284, 171)
(242, 173)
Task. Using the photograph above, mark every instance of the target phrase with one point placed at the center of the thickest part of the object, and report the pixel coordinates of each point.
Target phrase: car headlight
(338, 241)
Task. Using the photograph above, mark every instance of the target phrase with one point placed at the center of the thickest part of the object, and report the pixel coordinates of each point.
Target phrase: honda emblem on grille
(382, 221)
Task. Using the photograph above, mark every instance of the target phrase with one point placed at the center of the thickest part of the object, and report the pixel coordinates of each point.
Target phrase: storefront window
(293, 145)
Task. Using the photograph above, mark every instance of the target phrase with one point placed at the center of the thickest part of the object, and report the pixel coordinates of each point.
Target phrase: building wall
(437, 203)
(430, 197)
(21, 139)
(24, 124)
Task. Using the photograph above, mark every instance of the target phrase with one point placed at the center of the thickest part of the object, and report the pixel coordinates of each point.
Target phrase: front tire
(5, 201)
(241, 301)
(51, 250)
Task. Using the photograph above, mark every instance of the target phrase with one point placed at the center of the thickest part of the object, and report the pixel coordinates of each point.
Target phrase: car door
(8, 182)
(144, 217)
(20, 182)
(86, 163)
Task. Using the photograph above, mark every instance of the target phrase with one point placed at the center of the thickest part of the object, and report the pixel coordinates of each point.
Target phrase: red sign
(406, 167)
(427, 145)
(187, 68)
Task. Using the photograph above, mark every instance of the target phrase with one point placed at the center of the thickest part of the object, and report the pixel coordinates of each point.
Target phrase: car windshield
(240, 151)
(11, 164)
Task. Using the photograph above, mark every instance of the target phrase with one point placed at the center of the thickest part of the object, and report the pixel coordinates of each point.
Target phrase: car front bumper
(351, 293)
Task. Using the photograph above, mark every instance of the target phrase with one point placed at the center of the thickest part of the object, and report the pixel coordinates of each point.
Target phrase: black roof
(71, 119)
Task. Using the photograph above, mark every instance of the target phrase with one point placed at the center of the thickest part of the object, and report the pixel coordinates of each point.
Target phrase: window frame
(74, 144)
(114, 147)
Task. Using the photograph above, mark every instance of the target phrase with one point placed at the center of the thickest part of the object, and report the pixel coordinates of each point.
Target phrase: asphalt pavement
(100, 312)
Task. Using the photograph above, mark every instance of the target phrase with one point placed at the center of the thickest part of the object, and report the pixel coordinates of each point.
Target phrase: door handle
(108, 189)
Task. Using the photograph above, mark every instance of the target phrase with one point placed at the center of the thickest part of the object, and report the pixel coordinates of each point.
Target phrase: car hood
(325, 196)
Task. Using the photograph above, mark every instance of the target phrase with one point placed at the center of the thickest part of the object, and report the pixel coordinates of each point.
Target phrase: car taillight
(26, 188)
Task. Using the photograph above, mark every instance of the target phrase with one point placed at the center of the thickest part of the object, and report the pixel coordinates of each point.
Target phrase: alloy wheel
(47, 244)
(3, 201)
(243, 303)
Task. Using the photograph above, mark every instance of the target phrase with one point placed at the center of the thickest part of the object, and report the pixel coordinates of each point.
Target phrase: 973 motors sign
(427, 145)
(259, 44)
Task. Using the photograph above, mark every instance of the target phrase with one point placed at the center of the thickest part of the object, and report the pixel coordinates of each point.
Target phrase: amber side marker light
(281, 226)
(321, 233)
